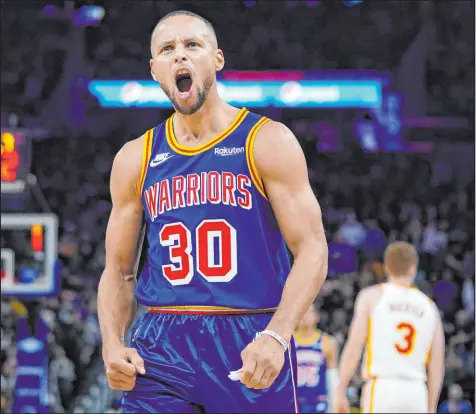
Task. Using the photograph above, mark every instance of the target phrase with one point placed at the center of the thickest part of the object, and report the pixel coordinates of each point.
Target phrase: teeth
(182, 72)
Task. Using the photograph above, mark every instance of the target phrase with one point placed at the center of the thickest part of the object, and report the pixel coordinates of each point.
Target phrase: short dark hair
(187, 13)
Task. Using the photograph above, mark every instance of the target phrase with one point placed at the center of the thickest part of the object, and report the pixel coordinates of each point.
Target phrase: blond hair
(399, 258)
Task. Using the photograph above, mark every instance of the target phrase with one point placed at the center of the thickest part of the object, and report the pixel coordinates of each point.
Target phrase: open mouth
(183, 80)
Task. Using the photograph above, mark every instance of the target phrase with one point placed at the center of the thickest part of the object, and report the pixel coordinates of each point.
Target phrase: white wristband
(275, 336)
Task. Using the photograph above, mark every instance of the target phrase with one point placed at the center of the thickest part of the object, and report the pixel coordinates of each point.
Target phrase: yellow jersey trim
(146, 153)
(372, 395)
(255, 176)
(427, 356)
(403, 286)
(190, 151)
(368, 351)
(307, 341)
(207, 309)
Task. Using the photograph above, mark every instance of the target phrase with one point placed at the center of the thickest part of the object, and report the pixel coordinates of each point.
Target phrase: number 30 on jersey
(178, 238)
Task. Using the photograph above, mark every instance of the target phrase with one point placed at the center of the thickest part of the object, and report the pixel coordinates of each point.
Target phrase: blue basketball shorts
(320, 407)
(188, 357)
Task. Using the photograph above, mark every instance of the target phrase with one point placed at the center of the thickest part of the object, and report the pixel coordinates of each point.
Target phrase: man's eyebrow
(188, 39)
(165, 42)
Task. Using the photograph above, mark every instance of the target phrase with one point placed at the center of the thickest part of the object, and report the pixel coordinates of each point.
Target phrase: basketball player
(404, 339)
(223, 191)
(317, 355)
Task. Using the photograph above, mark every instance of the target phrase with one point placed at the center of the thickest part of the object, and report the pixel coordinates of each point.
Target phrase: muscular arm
(436, 366)
(282, 166)
(354, 346)
(116, 304)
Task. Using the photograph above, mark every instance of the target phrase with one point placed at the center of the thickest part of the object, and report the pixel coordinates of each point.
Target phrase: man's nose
(180, 55)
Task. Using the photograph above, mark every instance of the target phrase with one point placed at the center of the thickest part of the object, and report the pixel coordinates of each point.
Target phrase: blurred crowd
(73, 344)
(370, 200)
(367, 199)
(254, 35)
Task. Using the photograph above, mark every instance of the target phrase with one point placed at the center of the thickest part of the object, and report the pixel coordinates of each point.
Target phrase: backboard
(29, 254)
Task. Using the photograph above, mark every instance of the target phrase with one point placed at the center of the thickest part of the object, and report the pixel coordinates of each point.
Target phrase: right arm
(353, 348)
(436, 365)
(116, 303)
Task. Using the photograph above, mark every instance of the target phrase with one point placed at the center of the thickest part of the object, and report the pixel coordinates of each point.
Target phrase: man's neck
(405, 281)
(212, 118)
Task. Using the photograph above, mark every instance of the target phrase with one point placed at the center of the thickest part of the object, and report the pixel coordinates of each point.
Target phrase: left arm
(282, 166)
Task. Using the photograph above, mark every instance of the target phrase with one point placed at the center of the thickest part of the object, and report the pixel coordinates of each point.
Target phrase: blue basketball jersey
(213, 238)
(312, 368)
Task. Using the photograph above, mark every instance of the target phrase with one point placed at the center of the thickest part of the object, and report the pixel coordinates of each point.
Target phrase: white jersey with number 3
(400, 333)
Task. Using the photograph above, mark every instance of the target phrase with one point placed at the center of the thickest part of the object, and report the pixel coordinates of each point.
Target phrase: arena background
(379, 94)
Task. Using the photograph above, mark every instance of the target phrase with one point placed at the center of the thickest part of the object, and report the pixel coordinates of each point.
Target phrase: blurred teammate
(455, 403)
(404, 342)
(223, 191)
(317, 356)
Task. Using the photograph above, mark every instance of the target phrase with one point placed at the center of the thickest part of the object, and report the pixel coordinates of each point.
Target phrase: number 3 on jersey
(406, 346)
(178, 239)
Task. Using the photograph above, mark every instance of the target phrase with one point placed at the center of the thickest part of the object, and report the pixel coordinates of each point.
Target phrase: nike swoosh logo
(154, 163)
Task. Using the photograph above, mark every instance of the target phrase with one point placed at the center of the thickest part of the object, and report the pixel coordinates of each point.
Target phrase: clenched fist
(262, 362)
(122, 364)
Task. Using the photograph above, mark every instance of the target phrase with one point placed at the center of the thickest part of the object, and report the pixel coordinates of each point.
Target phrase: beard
(202, 93)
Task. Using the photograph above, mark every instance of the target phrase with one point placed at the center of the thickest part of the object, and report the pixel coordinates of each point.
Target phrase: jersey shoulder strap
(146, 154)
(153, 140)
(254, 122)
(308, 341)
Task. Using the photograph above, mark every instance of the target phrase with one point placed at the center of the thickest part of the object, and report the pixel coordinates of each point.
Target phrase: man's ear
(219, 60)
(151, 62)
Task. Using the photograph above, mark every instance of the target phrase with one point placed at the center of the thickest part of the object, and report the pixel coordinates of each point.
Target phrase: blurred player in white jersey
(402, 332)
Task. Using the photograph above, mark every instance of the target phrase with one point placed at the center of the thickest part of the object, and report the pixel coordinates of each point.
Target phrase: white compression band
(275, 336)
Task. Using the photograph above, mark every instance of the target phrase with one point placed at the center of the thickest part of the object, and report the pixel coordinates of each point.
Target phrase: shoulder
(423, 297)
(276, 150)
(276, 134)
(129, 157)
(329, 345)
(368, 297)
(127, 165)
(134, 150)
(131, 148)
(370, 291)
(329, 340)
